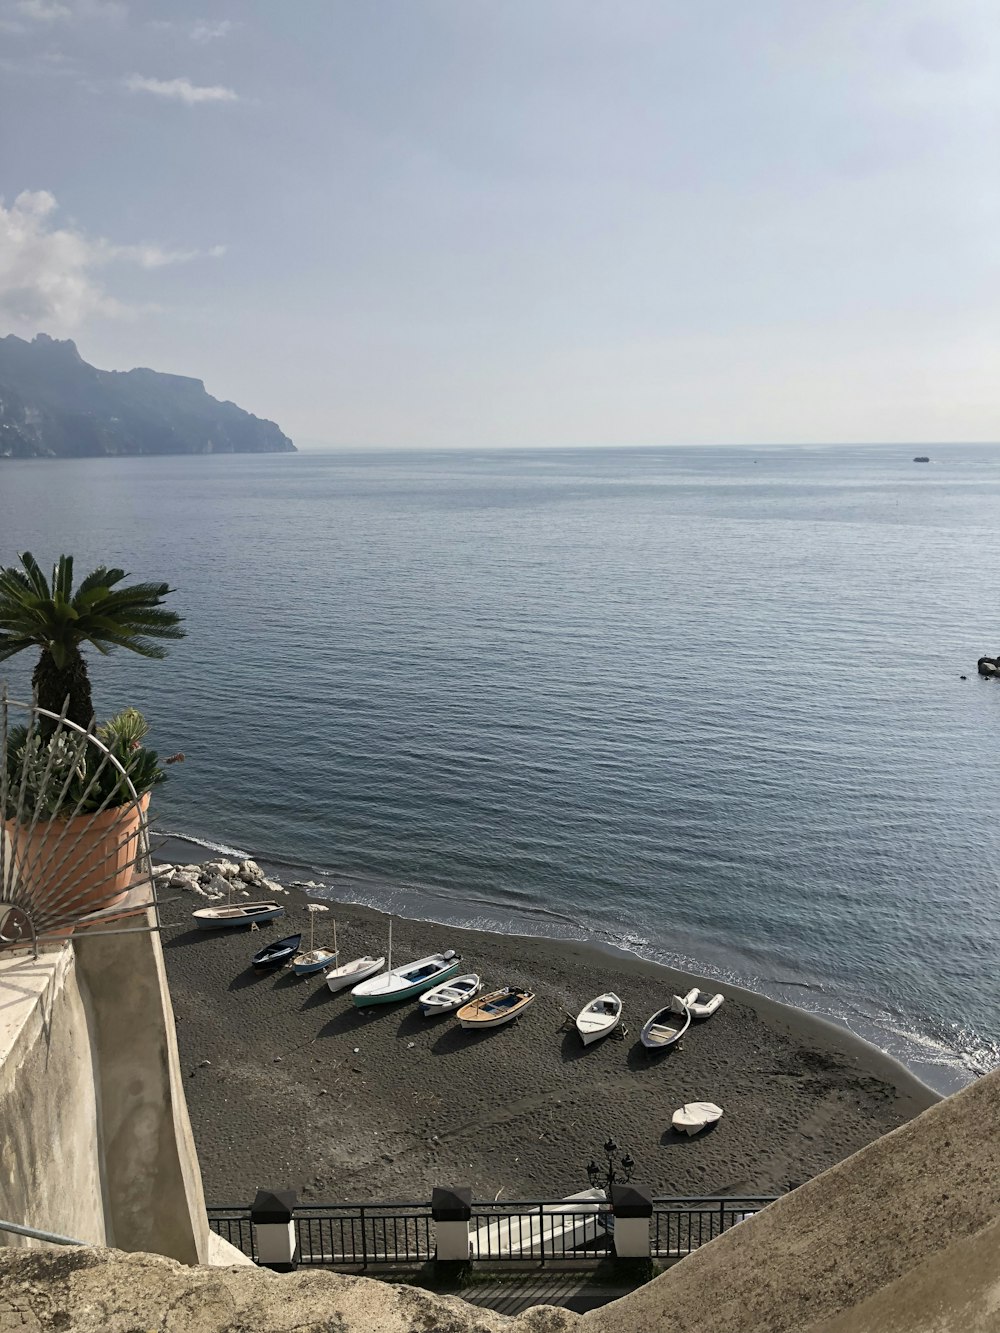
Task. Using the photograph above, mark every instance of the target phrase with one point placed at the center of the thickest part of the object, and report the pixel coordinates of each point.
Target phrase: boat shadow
(414, 1022)
(456, 1038)
(317, 997)
(572, 1047)
(287, 979)
(250, 976)
(643, 1057)
(680, 1138)
(192, 936)
(349, 1020)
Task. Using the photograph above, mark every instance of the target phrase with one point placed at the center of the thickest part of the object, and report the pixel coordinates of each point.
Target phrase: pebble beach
(291, 1086)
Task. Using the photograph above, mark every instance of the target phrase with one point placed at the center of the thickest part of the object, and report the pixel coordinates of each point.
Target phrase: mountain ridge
(53, 404)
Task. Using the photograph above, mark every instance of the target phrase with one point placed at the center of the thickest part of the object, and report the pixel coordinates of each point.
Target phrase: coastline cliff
(53, 404)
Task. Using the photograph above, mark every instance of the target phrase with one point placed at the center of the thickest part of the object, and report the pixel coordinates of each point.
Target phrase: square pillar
(451, 1210)
(632, 1208)
(271, 1216)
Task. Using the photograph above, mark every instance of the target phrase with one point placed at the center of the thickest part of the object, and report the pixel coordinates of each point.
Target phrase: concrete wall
(95, 1140)
(50, 1160)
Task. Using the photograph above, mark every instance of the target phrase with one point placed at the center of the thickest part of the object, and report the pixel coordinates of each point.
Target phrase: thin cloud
(52, 276)
(44, 11)
(180, 90)
(203, 31)
(54, 11)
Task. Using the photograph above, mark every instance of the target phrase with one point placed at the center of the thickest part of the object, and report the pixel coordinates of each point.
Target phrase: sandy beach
(291, 1086)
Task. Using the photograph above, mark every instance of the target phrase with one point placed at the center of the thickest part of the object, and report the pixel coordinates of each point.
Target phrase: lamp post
(616, 1172)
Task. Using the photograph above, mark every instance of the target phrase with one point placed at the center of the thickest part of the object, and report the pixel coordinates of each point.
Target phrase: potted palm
(73, 808)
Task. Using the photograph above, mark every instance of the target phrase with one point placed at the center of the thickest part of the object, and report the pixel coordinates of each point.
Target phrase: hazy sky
(522, 222)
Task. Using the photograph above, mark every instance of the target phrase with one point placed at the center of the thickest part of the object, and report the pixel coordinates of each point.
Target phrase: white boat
(601, 1016)
(405, 983)
(495, 1009)
(693, 1117)
(224, 918)
(313, 959)
(667, 1025)
(702, 1004)
(349, 974)
(450, 995)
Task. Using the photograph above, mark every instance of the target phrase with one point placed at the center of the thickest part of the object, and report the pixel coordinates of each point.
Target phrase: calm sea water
(702, 703)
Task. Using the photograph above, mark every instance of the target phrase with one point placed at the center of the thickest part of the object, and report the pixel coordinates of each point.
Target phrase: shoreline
(940, 1076)
(302, 1090)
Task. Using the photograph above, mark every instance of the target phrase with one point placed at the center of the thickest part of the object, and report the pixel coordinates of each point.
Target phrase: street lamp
(615, 1173)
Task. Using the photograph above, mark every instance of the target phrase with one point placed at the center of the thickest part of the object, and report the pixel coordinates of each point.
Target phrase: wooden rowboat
(495, 1009)
(667, 1025)
(245, 914)
(601, 1016)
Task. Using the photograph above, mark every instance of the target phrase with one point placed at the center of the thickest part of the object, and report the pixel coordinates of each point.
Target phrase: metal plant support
(48, 879)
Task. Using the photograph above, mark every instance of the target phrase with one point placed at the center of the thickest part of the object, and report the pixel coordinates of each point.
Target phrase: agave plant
(52, 773)
(50, 615)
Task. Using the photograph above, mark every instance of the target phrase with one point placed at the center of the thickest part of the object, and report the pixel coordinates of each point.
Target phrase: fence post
(632, 1208)
(274, 1231)
(451, 1209)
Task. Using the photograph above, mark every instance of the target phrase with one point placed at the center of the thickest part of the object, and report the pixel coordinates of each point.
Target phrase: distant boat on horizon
(921, 458)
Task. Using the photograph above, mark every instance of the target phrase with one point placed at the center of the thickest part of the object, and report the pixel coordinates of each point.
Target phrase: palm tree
(35, 613)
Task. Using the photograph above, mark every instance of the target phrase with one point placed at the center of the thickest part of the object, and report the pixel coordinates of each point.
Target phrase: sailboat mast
(389, 968)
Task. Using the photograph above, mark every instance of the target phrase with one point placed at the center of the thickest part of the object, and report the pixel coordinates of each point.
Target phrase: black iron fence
(540, 1231)
(679, 1226)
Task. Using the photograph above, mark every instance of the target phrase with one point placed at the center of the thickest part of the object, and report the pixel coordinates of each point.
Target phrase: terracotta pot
(80, 865)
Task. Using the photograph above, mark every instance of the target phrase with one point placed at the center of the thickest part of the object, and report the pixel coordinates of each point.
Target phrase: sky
(452, 223)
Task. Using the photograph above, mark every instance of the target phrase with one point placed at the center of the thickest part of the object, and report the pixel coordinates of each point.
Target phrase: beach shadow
(186, 937)
(319, 996)
(457, 1038)
(350, 1020)
(679, 1138)
(287, 979)
(414, 1022)
(572, 1047)
(249, 977)
(642, 1057)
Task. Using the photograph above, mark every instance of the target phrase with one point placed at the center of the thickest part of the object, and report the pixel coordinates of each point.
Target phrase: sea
(715, 706)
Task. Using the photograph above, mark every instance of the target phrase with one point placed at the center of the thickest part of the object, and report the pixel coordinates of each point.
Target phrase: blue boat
(277, 953)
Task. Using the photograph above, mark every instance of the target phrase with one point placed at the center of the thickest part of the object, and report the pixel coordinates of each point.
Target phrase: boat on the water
(349, 974)
(703, 1004)
(495, 1009)
(277, 953)
(243, 914)
(667, 1025)
(601, 1016)
(450, 995)
(404, 983)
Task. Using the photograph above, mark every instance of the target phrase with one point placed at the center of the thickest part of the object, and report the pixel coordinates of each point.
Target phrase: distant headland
(54, 405)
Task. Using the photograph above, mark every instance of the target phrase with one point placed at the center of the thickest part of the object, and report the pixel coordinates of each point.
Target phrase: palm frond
(38, 580)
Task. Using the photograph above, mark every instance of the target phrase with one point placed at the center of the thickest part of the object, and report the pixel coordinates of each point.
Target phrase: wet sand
(302, 1090)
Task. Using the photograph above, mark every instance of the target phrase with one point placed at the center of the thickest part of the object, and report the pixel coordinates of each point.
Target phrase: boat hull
(249, 913)
(341, 982)
(305, 969)
(431, 1005)
(276, 954)
(403, 992)
(475, 1018)
(587, 1024)
(667, 1026)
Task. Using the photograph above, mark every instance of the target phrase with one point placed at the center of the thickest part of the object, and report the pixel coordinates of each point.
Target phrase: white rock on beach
(250, 872)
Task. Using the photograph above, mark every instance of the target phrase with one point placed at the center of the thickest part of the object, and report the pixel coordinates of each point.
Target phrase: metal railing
(679, 1226)
(354, 1235)
(533, 1231)
(540, 1231)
